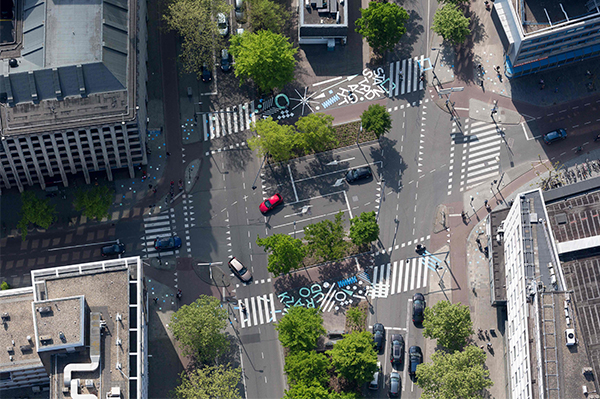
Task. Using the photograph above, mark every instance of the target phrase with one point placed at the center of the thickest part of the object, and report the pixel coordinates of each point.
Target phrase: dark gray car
(397, 350)
(358, 174)
(415, 357)
(378, 336)
(394, 385)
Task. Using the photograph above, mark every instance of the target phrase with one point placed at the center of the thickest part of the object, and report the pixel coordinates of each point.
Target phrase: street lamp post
(259, 169)
(472, 207)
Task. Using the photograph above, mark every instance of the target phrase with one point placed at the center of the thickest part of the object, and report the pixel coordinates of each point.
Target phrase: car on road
(270, 203)
(358, 174)
(397, 350)
(118, 248)
(374, 384)
(167, 243)
(378, 336)
(418, 308)
(415, 357)
(206, 74)
(239, 9)
(555, 135)
(226, 60)
(394, 385)
(239, 270)
(223, 24)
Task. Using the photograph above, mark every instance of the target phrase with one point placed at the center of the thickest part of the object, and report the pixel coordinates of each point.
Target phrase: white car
(223, 24)
(239, 9)
(240, 270)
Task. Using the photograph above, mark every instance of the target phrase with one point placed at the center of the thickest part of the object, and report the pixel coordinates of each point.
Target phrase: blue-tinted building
(538, 35)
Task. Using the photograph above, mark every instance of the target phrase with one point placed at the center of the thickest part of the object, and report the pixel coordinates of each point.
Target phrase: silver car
(240, 270)
(223, 24)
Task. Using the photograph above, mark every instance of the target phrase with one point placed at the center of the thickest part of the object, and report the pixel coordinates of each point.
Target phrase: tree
(94, 203)
(315, 132)
(199, 328)
(272, 138)
(268, 15)
(4, 286)
(364, 228)
(312, 390)
(285, 253)
(449, 323)
(354, 357)
(356, 318)
(326, 238)
(454, 375)
(382, 24)
(210, 382)
(306, 367)
(195, 21)
(265, 57)
(35, 211)
(450, 23)
(376, 119)
(300, 328)
(457, 2)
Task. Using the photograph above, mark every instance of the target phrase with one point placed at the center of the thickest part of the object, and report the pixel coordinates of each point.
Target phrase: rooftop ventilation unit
(570, 336)
(45, 309)
(5, 317)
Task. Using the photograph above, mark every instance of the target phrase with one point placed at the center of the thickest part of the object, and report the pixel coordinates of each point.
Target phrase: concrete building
(538, 36)
(79, 331)
(323, 22)
(73, 91)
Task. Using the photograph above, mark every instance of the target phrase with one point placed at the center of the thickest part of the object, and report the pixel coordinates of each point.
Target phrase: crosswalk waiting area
(400, 276)
(227, 121)
(258, 310)
(405, 76)
(161, 225)
(481, 154)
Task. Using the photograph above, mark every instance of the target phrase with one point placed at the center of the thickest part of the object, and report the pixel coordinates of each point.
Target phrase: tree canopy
(454, 375)
(195, 21)
(376, 119)
(268, 15)
(306, 367)
(382, 24)
(450, 23)
(210, 382)
(449, 323)
(302, 390)
(354, 357)
(35, 211)
(315, 132)
(326, 238)
(265, 57)
(285, 253)
(272, 138)
(364, 228)
(300, 328)
(357, 318)
(94, 203)
(199, 328)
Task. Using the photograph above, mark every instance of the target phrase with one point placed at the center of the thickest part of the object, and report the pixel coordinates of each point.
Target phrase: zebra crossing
(259, 310)
(161, 225)
(405, 76)
(227, 121)
(399, 276)
(481, 154)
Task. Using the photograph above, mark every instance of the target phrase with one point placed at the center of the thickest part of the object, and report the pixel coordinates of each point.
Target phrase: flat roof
(59, 323)
(499, 273)
(537, 15)
(322, 15)
(575, 218)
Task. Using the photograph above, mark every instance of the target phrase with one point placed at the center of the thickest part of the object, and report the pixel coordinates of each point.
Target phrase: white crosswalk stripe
(400, 276)
(405, 76)
(161, 225)
(259, 310)
(227, 121)
(482, 146)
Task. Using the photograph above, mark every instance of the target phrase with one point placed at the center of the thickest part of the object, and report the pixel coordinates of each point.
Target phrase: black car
(358, 174)
(167, 243)
(415, 357)
(378, 336)
(225, 60)
(397, 350)
(418, 308)
(206, 74)
(117, 248)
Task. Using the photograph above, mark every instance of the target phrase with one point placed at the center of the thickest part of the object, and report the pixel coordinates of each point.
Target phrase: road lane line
(400, 270)
(260, 309)
(253, 303)
(394, 273)
(272, 302)
(412, 275)
(307, 219)
(421, 264)
(348, 204)
(292, 180)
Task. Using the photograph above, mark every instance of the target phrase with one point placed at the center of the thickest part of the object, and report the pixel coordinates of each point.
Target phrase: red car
(270, 203)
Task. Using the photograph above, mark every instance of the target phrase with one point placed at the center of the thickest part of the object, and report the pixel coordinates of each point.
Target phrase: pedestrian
(489, 345)
(498, 68)
(485, 203)
(154, 191)
(168, 154)
(155, 299)
(179, 294)
(149, 186)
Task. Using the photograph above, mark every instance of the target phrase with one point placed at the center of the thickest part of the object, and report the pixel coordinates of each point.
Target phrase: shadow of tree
(394, 163)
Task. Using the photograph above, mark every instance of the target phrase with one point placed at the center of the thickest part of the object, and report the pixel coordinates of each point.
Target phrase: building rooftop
(537, 15)
(59, 323)
(575, 218)
(499, 274)
(323, 12)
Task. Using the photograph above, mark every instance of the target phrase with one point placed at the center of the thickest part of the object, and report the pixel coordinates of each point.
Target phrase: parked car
(239, 270)
(358, 174)
(239, 9)
(223, 24)
(378, 336)
(206, 74)
(118, 248)
(394, 385)
(270, 203)
(415, 357)
(555, 135)
(374, 384)
(397, 350)
(226, 60)
(418, 308)
(167, 243)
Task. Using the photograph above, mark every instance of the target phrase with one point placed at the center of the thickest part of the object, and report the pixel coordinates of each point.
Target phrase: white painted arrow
(338, 182)
(332, 163)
